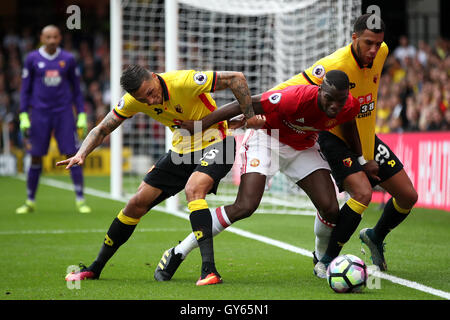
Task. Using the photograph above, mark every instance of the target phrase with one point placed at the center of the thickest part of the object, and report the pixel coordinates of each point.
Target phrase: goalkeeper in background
(50, 88)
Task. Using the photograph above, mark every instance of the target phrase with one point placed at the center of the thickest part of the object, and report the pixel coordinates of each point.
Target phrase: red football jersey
(295, 113)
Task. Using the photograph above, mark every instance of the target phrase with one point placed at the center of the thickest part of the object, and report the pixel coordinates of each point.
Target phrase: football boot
(211, 278)
(28, 207)
(320, 269)
(83, 207)
(83, 274)
(167, 266)
(376, 249)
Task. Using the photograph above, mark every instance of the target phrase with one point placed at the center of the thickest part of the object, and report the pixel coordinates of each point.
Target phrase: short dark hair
(337, 79)
(361, 24)
(133, 76)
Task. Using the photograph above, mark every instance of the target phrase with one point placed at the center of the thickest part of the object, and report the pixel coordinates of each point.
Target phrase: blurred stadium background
(413, 117)
(414, 93)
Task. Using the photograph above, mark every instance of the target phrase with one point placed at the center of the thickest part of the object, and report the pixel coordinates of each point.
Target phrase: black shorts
(343, 162)
(173, 170)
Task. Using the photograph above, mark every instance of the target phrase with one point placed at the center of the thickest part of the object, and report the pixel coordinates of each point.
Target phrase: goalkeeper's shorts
(172, 171)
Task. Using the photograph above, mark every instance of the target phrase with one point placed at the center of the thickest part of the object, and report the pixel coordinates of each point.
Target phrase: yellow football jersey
(364, 83)
(187, 96)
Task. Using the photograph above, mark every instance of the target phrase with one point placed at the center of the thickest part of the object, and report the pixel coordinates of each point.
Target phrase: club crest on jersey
(347, 162)
(375, 78)
(275, 98)
(331, 123)
(178, 108)
(318, 71)
(200, 78)
(62, 63)
(254, 162)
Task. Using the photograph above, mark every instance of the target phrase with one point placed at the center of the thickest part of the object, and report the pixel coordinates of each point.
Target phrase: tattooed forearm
(98, 134)
(238, 84)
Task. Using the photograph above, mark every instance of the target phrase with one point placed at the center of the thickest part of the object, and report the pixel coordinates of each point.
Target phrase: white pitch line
(250, 235)
(23, 232)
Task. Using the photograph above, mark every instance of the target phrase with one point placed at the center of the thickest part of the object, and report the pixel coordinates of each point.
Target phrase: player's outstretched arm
(226, 112)
(93, 140)
(238, 84)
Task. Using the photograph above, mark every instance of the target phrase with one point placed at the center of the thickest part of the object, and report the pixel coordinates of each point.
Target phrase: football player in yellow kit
(363, 61)
(196, 164)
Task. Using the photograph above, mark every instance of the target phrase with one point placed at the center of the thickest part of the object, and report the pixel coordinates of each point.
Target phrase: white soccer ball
(347, 273)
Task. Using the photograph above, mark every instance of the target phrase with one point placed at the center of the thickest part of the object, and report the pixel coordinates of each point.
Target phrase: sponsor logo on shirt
(52, 78)
(299, 129)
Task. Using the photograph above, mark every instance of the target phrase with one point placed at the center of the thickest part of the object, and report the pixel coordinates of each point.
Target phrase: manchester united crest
(254, 162)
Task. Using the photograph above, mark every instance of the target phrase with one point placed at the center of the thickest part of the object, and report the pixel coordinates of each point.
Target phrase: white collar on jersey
(49, 56)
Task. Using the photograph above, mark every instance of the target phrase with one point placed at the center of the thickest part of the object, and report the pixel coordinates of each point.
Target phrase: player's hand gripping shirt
(186, 96)
(50, 82)
(364, 83)
(294, 111)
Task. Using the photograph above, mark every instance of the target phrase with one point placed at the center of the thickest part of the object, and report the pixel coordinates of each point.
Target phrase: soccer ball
(347, 273)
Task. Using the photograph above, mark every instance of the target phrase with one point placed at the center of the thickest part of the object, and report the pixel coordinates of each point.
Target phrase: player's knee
(244, 209)
(195, 192)
(136, 207)
(408, 199)
(362, 195)
(329, 211)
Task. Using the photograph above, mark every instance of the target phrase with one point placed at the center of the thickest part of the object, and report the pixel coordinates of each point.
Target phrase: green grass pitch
(38, 248)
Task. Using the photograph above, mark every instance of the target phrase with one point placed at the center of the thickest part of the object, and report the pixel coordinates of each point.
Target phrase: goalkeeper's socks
(77, 178)
(34, 174)
(391, 217)
(201, 222)
(348, 220)
(220, 222)
(120, 230)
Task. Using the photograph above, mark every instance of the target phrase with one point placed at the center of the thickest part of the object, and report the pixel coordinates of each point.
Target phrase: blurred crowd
(414, 93)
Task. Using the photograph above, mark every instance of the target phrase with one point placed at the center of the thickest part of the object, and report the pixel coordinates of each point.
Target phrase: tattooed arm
(225, 112)
(93, 140)
(238, 84)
